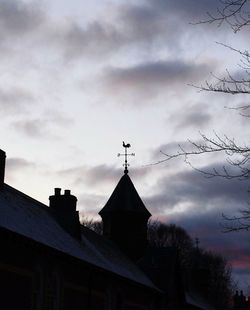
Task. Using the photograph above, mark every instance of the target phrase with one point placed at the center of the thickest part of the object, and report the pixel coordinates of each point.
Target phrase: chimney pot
(63, 208)
(57, 191)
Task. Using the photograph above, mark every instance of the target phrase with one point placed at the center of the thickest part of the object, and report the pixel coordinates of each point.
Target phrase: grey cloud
(101, 174)
(95, 39)
(31, 128)
(152, 77)
(15, 163)
(14, 100)
(167, 148)
(170, 149)
(91, 203)
(146, 24)
(153, 23)
(155, 72)
(199, 192)
(194, 116)
(163, 21)
(19, 18)
(131, 26)
(44, 126)
(192, 10)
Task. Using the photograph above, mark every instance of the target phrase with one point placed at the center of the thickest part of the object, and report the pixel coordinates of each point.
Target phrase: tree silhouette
(203, 272)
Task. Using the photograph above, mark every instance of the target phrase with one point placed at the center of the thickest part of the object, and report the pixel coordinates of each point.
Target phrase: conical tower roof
(125, 198)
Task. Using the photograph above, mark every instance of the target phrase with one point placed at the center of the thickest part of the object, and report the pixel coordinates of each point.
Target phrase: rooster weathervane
(126, 146)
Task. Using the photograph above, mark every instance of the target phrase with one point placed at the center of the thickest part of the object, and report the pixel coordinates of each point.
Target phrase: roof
(125, 198)
(26, 216)
(197, 302)
(113, 254)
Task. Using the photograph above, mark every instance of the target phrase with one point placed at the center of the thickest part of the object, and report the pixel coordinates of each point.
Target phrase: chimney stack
(63, 208)
(2, 167)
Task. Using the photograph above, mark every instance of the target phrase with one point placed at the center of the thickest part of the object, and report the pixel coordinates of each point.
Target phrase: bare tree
(238, 157)
(235, 13)
(92, 224)
(237, 223)
(230, 84)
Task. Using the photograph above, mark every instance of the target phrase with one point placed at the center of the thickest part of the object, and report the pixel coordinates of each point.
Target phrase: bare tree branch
(233, 12)
(230, 84)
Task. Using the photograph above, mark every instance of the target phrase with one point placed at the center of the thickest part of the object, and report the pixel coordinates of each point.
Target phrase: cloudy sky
(80, 77)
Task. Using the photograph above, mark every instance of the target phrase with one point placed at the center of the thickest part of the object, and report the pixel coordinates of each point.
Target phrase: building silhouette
(49, 261)
(240, 301)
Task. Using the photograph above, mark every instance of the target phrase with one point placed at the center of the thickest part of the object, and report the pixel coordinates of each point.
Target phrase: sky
(79, 77)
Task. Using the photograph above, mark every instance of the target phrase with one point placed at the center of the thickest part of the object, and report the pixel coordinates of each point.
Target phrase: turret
(125, 219)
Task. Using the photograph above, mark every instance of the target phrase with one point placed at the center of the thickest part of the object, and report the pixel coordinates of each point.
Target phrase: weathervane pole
(126, 146)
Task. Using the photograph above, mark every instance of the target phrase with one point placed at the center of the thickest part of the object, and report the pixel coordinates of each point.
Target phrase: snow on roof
(28, 217)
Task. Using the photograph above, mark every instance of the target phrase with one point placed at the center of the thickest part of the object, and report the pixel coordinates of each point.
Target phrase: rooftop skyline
(79, 78)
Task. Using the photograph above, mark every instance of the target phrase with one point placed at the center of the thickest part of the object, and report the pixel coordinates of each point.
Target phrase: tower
(125, 217)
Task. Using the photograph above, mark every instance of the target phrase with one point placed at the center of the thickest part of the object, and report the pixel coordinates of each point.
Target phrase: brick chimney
(2, 167)
(63, 208)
